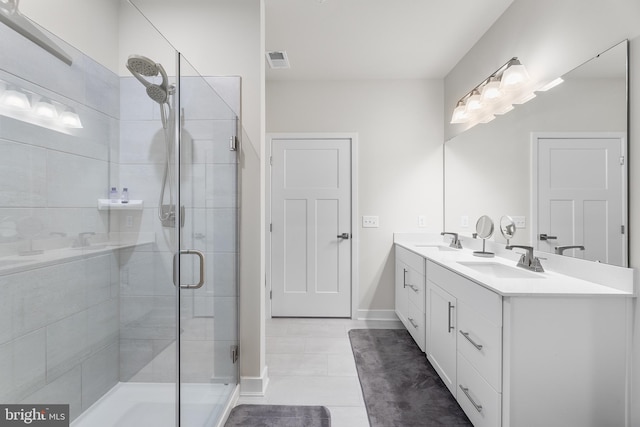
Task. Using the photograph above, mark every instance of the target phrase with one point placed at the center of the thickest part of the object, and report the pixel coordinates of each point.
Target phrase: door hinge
(271, 160)
(621, 160)
(270, 294)
(233, 143)
(622, 229)
(271, 228)
(235, 353)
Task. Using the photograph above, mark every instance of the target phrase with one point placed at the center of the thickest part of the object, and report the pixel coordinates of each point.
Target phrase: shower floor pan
(153, 405)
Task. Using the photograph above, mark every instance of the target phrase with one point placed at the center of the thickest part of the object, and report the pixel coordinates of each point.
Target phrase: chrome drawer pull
(414, 288)
(414, 324)
(404, 282)
(465, 390)
(466, 335)
(451, 327)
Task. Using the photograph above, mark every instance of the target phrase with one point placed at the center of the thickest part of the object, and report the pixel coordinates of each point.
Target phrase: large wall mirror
(556, 164)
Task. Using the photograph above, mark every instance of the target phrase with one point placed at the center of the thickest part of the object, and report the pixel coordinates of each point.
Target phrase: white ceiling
(360, 39)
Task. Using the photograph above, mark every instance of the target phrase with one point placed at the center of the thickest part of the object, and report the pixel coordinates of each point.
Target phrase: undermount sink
(500, 271)
(438, 247)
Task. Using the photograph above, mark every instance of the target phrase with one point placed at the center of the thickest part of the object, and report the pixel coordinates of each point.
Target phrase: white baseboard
(388, 315)
(254, 386)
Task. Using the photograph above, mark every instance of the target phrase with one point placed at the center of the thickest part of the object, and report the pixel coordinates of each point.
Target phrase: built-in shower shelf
(132, 205)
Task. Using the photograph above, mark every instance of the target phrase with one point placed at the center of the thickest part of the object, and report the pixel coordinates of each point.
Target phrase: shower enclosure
(125, 310)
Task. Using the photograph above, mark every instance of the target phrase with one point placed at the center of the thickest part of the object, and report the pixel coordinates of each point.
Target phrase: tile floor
(311, 363)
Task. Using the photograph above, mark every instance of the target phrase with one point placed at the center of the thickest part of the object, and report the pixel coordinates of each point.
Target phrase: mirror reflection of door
(580, 187)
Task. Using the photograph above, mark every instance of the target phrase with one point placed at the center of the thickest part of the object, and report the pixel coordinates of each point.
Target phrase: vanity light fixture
(514, 76)
(495, 95)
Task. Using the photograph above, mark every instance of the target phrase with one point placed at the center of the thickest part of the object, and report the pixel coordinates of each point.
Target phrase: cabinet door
(442, 334)
(401, 305)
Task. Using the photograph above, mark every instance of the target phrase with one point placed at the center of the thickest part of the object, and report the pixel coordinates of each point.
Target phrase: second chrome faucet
(528, 260)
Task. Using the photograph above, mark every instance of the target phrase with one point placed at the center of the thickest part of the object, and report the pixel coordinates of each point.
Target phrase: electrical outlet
(520, 221)
(129, 221)
(464, 221)
(422, 221)
(370, 222)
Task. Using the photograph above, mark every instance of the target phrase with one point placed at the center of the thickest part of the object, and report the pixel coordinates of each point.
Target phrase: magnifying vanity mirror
(556, 165)
(507, 228)
(484, 229)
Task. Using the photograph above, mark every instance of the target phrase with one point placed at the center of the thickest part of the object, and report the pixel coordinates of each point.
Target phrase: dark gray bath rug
(400, 387)
(279, 416)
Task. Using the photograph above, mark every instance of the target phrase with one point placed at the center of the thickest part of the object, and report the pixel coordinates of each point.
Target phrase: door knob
(343, 236)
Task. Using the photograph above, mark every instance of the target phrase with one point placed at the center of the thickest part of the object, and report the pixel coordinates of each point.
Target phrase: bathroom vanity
(516, 347)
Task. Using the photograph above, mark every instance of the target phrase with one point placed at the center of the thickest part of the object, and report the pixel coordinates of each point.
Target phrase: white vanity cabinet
(465, 342)
(410, 293)
(543, 349)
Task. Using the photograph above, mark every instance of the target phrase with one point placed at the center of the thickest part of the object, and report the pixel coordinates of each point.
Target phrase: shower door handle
(176, 279)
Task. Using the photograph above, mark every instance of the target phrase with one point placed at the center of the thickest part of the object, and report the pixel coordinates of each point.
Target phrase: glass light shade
(70, 119)
(45, 109)
(491, 91)
(459, 113)
(515, 75)
(474, 102)
(15, 99)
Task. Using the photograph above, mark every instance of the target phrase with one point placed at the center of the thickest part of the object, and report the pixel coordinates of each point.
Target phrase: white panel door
(311, 227)
(580, 197)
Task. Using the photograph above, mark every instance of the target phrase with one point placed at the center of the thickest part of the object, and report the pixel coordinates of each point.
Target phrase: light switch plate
(370, 222)
(422, 221)
(464, 221)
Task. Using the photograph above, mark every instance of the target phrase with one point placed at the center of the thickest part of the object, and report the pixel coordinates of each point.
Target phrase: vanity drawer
(480, 342)
(413, 260)
(415, 284)
(415, 319)
(481, 403)
(487, 303)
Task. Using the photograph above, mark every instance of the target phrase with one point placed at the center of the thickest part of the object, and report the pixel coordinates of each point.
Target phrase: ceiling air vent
(278, 59)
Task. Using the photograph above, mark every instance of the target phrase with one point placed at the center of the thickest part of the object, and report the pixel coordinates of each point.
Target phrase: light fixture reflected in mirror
(70, 119)
(45, 109)
(15, 99)
(29, 107)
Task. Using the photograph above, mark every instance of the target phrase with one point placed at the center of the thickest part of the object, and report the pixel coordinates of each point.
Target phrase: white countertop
(547, 283)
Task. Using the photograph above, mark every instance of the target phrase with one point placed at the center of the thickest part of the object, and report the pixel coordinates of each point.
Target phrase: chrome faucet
(527, 260)
(82, 241)
(455, 241)
(561, 249)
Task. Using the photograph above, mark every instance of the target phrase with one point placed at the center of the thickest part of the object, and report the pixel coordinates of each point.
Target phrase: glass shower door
(207, 240)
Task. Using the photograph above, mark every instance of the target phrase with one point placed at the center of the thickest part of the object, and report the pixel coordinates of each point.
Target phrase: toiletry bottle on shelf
(125, 195)
(113, 195)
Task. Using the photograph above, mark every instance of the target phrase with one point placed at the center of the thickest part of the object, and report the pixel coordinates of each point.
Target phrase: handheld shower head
(140, 66)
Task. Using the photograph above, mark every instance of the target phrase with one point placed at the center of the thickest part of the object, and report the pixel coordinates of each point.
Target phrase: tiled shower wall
(58, 322)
